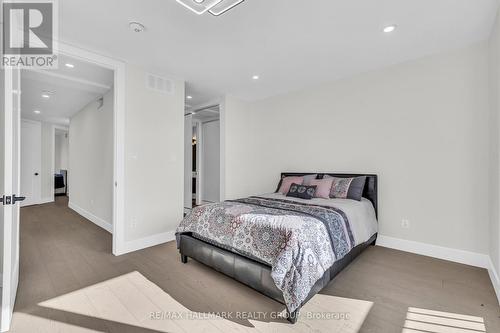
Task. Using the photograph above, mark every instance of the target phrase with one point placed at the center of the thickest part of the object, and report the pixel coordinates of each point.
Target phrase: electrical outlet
(405, 224)
(91, 202)
(133, 223)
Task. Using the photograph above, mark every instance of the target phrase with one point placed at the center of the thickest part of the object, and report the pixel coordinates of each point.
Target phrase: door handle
(16, 199)
(11, 200)
(36, 173)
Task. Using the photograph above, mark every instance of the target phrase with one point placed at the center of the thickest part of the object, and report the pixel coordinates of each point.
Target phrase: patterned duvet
(299, 241)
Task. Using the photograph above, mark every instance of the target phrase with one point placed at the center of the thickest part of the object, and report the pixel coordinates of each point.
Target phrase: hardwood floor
(70, 282)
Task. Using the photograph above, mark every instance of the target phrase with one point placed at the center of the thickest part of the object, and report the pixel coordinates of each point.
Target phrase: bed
(289, 249)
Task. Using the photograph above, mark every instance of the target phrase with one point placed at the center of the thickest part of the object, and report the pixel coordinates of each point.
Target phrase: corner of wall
(495, 280)
(106, 225)
(494, 104)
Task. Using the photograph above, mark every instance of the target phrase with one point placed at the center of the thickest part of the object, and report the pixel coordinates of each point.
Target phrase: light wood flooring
(70, 282)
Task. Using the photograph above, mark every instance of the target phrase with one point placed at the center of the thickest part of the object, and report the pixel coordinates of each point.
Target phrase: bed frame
(258, 275)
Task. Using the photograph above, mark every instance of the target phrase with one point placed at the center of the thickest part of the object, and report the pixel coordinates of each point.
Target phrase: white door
(31, 162)
(9, 188)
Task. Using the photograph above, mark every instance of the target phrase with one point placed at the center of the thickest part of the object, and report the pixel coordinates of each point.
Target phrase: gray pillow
(347, 188)
(301, 191)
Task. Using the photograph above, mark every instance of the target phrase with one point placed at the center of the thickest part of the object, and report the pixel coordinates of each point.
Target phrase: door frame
(54, 129)
(119, 86)
(199, 139)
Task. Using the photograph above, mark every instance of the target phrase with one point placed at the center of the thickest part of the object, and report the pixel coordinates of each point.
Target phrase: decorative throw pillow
(287, 181)
(347, 188)
(323, 187)
(301, 191)
(309, 178)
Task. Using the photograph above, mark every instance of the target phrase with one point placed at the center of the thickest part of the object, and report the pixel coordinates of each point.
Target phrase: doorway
(75, 100)
(202, 156)
(61, 161)
(10, 128)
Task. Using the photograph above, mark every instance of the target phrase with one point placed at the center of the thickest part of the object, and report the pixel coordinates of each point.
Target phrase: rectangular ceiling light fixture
(215, 7)
(197, 6)
(224, 6)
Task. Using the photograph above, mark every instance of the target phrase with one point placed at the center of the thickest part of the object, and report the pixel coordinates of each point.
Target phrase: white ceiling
(291, 44)
(71, 90)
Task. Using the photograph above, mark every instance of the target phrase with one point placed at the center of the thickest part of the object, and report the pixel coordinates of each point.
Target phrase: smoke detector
(136, 27)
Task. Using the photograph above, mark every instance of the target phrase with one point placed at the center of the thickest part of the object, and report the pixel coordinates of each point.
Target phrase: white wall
(47, 172)
(154, 166)
(210, 167)
(91, 161)
(494, 56)
(61, 151)
(422, 126)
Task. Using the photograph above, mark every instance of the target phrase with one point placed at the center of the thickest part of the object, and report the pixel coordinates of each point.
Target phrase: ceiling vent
(160, 84)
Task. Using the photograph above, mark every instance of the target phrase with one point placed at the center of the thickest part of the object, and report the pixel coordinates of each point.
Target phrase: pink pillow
(323, 187)
(287, 182)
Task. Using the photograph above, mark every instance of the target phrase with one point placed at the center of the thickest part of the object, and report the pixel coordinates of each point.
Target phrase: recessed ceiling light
(37, 111)
(136, 27)
(189, 97)
(70, 65)
(45, 95)
(390, 28)
(255, 77)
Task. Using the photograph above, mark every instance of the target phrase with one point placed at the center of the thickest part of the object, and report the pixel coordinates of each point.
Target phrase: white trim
(213, 102)
(445, 253)
(61, 128)
(119, 87)
(222, 146)
(97, 85)
(91, 217)
(146, 242)
(11, 141)
(199, 160)
(30, 121)
(495, 280)
(53, 163)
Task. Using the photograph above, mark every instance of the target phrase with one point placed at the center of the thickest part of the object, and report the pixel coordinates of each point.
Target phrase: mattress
(361, 214)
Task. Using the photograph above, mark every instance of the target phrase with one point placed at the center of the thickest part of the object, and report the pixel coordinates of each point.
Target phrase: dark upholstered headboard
(371, 186)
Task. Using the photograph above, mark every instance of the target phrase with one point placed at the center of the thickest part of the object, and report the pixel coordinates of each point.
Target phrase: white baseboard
(146, 242)
(46, 200)
(445, 253)
(91, 217)
(495, 280)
